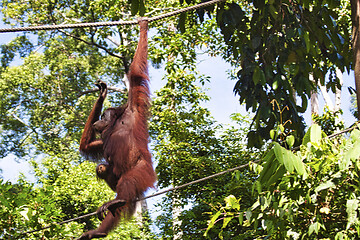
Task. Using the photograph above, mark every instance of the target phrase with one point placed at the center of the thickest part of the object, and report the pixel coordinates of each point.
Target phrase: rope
(353, 126)
(112, 23)
(150, 196)
(182, 186)
(61, 223)
(197, 181)
(187, 9)
(115, 23)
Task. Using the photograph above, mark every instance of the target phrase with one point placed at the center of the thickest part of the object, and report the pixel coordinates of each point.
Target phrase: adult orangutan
(123, 144)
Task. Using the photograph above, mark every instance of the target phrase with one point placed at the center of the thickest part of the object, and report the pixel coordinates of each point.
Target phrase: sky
(222, 104)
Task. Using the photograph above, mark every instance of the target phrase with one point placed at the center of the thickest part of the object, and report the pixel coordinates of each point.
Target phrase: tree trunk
(338, 90)
(355, 15)
(326, 96)
(141, 208)
(314, 100)
(314, 104)
(176, 212)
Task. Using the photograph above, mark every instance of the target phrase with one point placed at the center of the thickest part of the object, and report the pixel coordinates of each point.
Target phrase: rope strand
(115, 23)
(112, 23)
(184, 185)
(197, 181)
(152, 195)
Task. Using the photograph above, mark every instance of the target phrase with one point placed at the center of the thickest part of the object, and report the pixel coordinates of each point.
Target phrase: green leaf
(284, 157)
(241, 218)
(275, 84)
(290, 140)
(270, 171)
(289, 160)
(314, 227)
(352, 152)
(135, 4)
(351, 210)
(182, 21)
(269, 166)
(313, 135)
(232, 202)
(273, 11)
(258, 75)
(307, 41)
(254, 139)
(282, 128)
(340, 236)
(255, 205)
(304, 103)
(325, 185)
(280, 171)
(212, 222)
(272, 134)
(355, 137)
(258, 186)
(237, 175)
(226, 221)
(248, 214)
(142, 8)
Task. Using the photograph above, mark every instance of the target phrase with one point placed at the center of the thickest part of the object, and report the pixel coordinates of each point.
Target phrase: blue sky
(221, 105)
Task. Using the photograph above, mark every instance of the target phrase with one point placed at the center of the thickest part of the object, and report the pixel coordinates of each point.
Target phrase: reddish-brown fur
(124, 141)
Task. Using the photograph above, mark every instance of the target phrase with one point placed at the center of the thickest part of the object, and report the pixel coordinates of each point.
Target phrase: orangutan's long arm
(89, 145)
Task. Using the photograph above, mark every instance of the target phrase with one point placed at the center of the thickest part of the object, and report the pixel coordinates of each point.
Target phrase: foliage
(184, 134)
(329, 121)
(44, 104)
(55, 198)
(315, 195)
(25, 208)
(189, 146)
(273, 45)
(41, 102)
(353, 107)
(185, 142)
(276, 46)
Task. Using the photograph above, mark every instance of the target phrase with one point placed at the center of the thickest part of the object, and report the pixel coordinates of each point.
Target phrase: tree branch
(124, 59)
(92, 43)
(96, 89)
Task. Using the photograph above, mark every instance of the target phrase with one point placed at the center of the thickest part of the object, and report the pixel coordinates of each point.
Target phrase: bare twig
(92, 43)
(96, 90)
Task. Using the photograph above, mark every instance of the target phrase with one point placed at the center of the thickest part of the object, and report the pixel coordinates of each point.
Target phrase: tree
(48, 102)
(303, 195)
(182, 130)
(278, 45)
(355, 15)
(271, 44)
(64, 190)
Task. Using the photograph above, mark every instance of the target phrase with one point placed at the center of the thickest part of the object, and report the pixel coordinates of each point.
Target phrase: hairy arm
(89, 145)
(138, 73)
